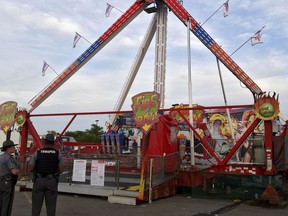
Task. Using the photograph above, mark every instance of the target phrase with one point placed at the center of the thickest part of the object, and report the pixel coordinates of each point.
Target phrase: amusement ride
(215, 149)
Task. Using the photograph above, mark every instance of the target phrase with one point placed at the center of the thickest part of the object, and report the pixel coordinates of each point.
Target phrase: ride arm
(176, 7)
(116, 27)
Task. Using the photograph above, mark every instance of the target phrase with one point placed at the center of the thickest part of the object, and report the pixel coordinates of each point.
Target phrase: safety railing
(117, 170)
(160, 169)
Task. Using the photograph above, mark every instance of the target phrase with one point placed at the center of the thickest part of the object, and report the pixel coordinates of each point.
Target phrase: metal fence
(120, 170)
(161, 168)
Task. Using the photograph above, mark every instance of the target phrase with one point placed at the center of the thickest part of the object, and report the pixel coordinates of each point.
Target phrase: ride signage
(7, 115)
(20, 118)
(267, 106)
(145, 107)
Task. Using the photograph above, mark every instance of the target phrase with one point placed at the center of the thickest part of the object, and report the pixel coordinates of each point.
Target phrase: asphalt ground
(70, 204)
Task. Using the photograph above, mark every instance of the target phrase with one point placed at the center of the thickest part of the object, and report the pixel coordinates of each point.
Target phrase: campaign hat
(49, 138)
(7, 143)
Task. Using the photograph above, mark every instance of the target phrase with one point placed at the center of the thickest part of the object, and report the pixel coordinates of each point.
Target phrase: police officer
(46, 164)
(8, 177)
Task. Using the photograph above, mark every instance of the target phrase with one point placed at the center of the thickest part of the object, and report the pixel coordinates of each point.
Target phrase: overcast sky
(33, 31)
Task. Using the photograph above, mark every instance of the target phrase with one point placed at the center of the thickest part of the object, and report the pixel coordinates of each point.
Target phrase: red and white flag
(257, 37)
(108, 10)
(44, 68)
(226, 8)
(76, 39)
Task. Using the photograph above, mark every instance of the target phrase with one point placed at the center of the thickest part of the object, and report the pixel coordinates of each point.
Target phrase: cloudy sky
(33, 31)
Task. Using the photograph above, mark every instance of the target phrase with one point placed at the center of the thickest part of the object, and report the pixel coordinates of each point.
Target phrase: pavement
(180, 205)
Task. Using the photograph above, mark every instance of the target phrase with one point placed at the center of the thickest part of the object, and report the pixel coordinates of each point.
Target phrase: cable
(226, 208)
(220, 210)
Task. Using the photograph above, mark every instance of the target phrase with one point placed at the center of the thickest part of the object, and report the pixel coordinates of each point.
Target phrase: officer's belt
(49, 176)
(7, 177)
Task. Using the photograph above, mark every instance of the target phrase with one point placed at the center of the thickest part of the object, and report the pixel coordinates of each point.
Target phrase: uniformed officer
(46, 164)
(8, 177)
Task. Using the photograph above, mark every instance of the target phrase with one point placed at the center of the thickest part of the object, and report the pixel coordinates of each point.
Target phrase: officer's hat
(49, 138)
(7, 143)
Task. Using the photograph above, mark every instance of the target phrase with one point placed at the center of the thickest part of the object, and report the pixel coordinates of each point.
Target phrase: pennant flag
(226, 8)
(108, 10)
(76, 39)
(257, 37)
(44, 68)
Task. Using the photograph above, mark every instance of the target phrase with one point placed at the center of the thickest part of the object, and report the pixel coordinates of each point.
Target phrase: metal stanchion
(151, 179)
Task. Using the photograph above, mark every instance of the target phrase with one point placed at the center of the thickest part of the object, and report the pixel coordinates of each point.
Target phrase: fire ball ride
(239, 150)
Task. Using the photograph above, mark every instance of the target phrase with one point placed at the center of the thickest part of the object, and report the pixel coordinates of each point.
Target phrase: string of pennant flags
(255, 39)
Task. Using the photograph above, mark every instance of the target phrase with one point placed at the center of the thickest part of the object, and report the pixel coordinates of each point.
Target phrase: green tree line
(89, 135)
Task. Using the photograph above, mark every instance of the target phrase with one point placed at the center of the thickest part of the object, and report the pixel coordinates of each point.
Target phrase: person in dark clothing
(8, 177)
(247, 151)
(46, 165)
(198, 148)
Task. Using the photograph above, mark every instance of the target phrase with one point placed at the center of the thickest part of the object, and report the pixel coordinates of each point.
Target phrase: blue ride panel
(113, 143)
(103, 142)
(203, 36)
(108, 143)
(119, 139)
(88, 52)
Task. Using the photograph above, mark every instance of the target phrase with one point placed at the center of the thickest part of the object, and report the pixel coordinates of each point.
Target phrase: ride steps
(123, 196)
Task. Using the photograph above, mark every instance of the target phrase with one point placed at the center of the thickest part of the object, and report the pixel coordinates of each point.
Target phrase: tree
(89, 135)
(52, 132)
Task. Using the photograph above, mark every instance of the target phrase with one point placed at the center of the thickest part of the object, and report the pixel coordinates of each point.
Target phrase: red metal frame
(222, 165)
(221, 162)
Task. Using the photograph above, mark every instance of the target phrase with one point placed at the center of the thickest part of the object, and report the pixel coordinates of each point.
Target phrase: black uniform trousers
(7, 189)
(44, 188)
